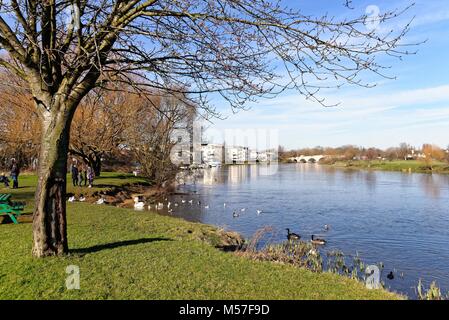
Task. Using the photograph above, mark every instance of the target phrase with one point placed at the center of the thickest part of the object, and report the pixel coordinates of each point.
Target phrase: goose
(72, 199)
(190, 201)
(235, 214)
(292, 236)
(82, 198)
(199, 202)
(312, 252)
(183, 201)
(318, 240)
(101, 201)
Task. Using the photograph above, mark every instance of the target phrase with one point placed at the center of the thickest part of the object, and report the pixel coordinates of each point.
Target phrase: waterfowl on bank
(318, 240)
(390, 276)
(138, 204)
(292, 235)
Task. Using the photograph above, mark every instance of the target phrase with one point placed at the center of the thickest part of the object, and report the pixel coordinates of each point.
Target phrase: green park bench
(10, 208)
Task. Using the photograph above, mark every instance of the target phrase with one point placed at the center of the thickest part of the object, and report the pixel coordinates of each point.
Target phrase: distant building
(212, 153)
(236, 154)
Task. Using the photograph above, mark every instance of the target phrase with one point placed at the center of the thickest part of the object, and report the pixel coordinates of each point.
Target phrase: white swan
(138, 204)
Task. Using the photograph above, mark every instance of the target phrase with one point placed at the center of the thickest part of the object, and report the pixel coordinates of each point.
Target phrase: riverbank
(411, 166)
(124, 254)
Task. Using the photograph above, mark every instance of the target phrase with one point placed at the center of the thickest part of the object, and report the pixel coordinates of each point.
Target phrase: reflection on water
(399, 219)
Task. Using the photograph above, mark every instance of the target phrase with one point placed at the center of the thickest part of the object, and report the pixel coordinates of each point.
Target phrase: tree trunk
(49, 219)
(97, 166)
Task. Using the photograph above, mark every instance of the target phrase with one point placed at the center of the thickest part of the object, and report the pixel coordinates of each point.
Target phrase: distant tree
(404, 150)
(431, 153)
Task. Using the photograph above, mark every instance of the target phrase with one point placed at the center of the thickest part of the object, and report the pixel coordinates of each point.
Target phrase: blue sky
(414, 108)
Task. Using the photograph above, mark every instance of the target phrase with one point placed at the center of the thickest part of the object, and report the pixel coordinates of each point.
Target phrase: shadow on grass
(113, 245)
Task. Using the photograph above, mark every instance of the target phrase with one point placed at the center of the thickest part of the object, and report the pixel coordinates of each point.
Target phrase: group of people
(82, 176)
(14, 174)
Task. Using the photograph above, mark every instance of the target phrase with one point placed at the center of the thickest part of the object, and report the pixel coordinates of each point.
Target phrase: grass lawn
(397, 165)
(123, 254)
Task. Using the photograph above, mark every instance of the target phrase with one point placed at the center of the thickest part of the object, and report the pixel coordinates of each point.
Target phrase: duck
(292, 236)
(101, 201)
(259, 212)
(206, 207)
(190, 201)
(72, 199)
(390, 276)
(318, 240)
(243, 209)
(183, 201)
(235, 214)
(326, 227)
(224, 204)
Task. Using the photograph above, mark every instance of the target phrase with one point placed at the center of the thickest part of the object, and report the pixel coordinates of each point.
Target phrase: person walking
(80, 176)
(15, 171)
(75, 173)
(90, 176)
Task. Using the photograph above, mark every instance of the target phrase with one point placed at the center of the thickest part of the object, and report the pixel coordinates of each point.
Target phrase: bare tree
(97, 127)
(153, 127)
(63, 49)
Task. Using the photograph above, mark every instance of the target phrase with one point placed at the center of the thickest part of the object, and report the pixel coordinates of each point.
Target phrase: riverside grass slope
(123, 254)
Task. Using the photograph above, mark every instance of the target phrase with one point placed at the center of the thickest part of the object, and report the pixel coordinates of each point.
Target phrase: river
(399, 219)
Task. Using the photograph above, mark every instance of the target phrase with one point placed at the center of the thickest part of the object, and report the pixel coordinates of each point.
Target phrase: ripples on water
(396, 218)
